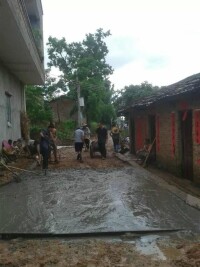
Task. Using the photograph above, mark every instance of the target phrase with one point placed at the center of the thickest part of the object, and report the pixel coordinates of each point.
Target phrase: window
(8, 107)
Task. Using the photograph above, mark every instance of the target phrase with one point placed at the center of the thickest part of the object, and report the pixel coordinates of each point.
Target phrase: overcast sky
(152, 40)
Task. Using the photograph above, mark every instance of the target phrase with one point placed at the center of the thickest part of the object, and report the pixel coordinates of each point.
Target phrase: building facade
(21, 60)
(65, 109)
(171, 119)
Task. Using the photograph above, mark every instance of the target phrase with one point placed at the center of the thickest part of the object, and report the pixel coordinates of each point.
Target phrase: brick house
(171, 116)
(63, 109)
(21, 60)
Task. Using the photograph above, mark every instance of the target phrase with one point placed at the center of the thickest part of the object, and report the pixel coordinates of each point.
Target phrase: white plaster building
(21, 60)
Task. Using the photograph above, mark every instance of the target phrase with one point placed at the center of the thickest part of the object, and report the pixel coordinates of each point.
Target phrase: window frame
(8, 108)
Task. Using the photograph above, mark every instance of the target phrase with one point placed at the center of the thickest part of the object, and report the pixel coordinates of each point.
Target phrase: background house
(21, 60)
(171, 116)
(64, 109)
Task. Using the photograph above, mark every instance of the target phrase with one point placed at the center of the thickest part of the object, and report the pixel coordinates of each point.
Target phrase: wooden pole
(144, 164)
(78, 97)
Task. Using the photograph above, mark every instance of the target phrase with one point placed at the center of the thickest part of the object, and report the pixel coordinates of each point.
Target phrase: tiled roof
(186, 85)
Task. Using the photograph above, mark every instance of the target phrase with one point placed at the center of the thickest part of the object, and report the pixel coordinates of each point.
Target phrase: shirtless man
(53, 138)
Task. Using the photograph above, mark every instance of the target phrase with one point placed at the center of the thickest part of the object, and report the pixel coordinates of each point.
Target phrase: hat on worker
(115, 130)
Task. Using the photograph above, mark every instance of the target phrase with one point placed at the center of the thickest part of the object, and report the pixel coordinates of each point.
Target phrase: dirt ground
(90, 252)
(82, 253)
(94, 252)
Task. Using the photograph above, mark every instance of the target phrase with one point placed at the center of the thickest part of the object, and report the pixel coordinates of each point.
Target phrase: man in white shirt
(86, 136)
(78, 142)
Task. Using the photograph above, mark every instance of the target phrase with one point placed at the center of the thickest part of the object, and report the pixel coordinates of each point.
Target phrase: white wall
(11, 84)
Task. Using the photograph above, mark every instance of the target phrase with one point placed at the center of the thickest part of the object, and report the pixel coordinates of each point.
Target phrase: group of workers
(81, 139)
(82, 136)
(44, 147)
(48, 137)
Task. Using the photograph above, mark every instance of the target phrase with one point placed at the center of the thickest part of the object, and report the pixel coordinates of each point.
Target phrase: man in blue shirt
(44, 148)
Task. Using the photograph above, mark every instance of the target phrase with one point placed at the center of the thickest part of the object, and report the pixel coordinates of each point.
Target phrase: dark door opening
(132, 136)
(152, 134)
(186, 144)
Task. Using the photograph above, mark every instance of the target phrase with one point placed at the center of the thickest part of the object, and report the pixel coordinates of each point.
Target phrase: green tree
(38, 97)
(85, 63)
(37, 108)
(52, 87)
(129, 94)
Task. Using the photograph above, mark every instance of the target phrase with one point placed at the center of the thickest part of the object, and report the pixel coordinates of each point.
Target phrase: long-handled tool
(22, 169)
(144, 164)
(17, 178)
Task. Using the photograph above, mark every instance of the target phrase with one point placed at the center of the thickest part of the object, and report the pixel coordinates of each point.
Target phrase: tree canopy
(85, 63)
(37, 98)
(37, 109)
(125, 97)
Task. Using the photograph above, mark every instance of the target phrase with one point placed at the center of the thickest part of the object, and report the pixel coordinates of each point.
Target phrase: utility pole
(78, 96)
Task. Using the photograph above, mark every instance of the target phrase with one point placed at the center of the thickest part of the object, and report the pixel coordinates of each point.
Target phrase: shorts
(78, 147)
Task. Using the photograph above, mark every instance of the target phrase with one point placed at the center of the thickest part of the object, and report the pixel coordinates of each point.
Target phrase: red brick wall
(196, 144)
(167, 156)
(168, 147)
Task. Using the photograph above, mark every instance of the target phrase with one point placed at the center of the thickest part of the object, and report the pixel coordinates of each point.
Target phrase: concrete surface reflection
(76, 201)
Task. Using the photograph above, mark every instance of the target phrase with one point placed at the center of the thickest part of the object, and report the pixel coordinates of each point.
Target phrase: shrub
(93, 127)
(65, 131)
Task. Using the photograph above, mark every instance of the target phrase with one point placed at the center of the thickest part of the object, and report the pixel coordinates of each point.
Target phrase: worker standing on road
(53, 138)
(78, 142)
(86, 136)
(115, 137)
(44, 148)
(102, 137)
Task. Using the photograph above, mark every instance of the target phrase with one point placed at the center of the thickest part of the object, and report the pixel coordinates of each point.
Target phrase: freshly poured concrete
(86, 200)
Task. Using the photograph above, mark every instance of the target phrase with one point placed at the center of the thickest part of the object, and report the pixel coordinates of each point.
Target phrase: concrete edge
(193, 201)
(187, 198)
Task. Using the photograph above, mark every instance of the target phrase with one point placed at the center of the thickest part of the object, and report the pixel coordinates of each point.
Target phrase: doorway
(185, 119)
(132, 135)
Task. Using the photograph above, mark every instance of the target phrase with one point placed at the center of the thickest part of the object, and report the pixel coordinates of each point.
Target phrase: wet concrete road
(75, 201)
